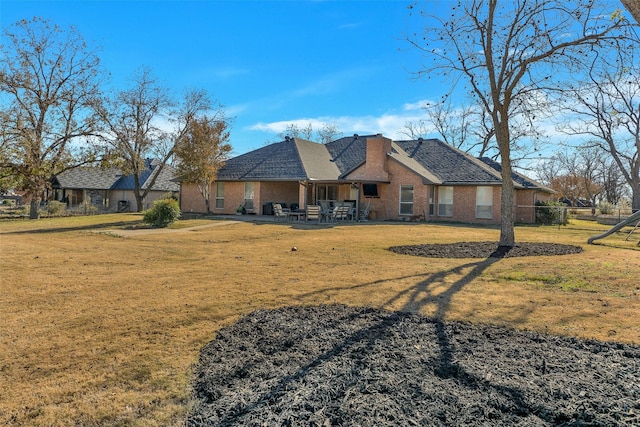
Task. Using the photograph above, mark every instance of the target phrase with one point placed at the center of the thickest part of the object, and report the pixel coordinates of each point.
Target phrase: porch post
(358, 201)
(302, 194)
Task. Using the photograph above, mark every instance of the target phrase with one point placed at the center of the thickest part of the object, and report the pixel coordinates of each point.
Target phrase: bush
(162, 213)
(548, 213)
(87, 208)
(606, 208)
(56, 208)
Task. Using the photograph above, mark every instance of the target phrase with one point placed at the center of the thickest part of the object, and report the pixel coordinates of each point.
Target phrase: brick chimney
(376, 160)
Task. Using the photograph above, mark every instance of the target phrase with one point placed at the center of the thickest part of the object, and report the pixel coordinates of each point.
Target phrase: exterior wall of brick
(376, 164)
(525, 202)
(277, 192)
(390, 176)
(191, 200)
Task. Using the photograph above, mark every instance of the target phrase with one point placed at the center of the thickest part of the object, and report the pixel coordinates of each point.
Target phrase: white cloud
(418, 105)
(388, 124)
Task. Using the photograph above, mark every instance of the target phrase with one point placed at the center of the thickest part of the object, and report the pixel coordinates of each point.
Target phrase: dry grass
(99, 329)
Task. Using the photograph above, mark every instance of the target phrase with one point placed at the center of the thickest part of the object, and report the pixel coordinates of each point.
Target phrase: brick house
(394, 179)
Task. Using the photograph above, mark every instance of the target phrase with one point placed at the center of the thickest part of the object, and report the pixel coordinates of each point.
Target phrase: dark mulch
(485, 250)
(342, 366)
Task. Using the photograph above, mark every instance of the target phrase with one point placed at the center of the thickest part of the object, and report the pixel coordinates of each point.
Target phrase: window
(406, 200)
(327, 192)
(484, 202)
(219, 195)
(432, 201)
(248, 195)
(445, 201)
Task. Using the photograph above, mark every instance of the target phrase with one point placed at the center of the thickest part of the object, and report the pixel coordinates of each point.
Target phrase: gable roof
(290, 160)
(295, 159)
(87, 177)
(95, 178)
(448, 164)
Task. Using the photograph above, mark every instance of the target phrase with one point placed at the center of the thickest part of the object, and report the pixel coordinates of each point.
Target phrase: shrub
(87, 208)
(162, 213)
(56, 208)
(548, 213)
(606, 208)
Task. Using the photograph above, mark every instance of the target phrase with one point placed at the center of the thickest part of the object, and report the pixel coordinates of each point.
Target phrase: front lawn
(100, 329)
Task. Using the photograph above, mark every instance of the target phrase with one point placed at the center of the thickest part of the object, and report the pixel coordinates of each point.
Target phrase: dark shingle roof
(518, 178)
(290, 160)
(94, 178)
(90, 178)
(296, 159)
(348, 153)
(449, 164)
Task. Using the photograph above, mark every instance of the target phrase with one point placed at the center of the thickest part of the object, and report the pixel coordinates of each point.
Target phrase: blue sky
(270, 63)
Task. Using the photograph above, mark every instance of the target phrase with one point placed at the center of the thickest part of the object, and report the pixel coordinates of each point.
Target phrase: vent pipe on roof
(355, 136)
(420, 140)
(287, 138)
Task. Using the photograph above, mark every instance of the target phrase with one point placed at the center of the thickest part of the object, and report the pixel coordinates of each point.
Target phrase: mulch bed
(485, 250)
(334, 365)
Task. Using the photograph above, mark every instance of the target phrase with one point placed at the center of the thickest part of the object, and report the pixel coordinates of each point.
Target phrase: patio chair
(352, 210)
(339, 213)
(279, 212)
(332, 214)
(313, 212)
(343, 213)
(364, 213)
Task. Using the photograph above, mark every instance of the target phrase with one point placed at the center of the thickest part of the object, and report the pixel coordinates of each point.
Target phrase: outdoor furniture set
(339, 212)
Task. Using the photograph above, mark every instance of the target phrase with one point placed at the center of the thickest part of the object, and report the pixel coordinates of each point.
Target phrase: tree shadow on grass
(91, 227)
(365, 341)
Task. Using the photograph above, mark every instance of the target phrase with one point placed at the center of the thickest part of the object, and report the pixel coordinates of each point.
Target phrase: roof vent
(287, 138)
(420, 140)
(355, 136)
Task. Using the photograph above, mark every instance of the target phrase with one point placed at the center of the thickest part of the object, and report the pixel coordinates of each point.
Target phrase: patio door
(248, 195)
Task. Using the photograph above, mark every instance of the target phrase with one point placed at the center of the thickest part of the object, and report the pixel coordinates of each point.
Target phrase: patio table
(299, 214)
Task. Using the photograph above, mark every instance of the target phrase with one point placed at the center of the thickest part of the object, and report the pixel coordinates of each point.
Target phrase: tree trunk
(507, 234)
(139, 206)
(503, 138)
(34, 206)
(635, 198)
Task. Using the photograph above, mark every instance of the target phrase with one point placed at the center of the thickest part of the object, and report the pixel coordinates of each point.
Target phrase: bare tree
(327, 133)
(202, 151)
(509, 54)
(606, 109)
(614, 188)
(48, 84)
(293, 130)
(145, 122)
(578, 175)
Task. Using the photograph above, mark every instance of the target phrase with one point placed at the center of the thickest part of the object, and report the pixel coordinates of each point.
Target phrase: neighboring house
(108, 189)
(393, 179)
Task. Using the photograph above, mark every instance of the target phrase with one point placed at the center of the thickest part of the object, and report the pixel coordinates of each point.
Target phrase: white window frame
(219, 195)
(445, 201)
(484, 202)
(249, 195)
